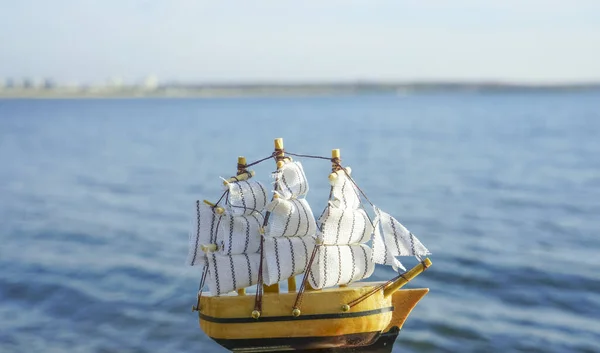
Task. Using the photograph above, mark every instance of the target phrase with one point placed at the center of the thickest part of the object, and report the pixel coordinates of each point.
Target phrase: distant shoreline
(280, 89)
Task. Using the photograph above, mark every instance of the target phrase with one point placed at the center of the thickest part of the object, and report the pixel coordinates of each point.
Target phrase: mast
(226, 238)
(241, 171)
(288, 231)
(344, 229)
(279, 157)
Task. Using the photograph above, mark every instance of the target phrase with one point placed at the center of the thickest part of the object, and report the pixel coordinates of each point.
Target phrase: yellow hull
(322, 324)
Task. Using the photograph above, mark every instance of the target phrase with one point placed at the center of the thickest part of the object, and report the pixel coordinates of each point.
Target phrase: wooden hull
(372, 342)
(323, 326)
(384, 344)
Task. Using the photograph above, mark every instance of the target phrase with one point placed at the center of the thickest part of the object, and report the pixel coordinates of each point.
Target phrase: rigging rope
(260, 160)
(334, 161)
(298, 301)
(278, 154)
(201, 287)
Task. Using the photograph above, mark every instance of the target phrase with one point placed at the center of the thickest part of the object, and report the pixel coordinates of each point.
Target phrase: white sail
(286, 257)
(289, 241)
(203, 232)
(246, 197)
(341, 264)
(393, 239)
(290, 218)
(383, 254)
(231, 238)
(231, 234)
(229, 273)
(343, 191)
(345, 226)
(239, 234)
(291, 181)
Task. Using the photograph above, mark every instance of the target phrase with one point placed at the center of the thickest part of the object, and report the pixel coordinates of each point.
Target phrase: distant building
(151, 82)
(72, 86)
(8, 83)
(16, 83)
(28, 83)
(49, 83)
(37, 83)
(115, 82)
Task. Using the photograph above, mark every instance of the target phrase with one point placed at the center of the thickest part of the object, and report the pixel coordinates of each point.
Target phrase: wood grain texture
(372, 315)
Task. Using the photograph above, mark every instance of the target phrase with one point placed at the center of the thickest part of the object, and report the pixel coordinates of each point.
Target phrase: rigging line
(298, 301)
(259, 285)
(260, 160)
(278, 155)
(246, 208)
(367, 213)
(354, 182)
(373, 291)
(307, 156)
(222, 196)
(345, 172)
(201, 285)
(337, 164)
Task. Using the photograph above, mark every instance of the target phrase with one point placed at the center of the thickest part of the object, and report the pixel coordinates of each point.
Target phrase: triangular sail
(344, 228)
(289, 235)
(227, 240)
(392, 239)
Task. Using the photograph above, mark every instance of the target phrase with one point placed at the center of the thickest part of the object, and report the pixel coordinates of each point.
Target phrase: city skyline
(90, 42)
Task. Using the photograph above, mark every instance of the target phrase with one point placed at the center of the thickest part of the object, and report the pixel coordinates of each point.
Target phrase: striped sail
(290, 180)
(232, 234)
(203, 232)
(341, 264)
(392, 239)
(229, 273)
(290, 218)
(343, 192)
(344, 227)
(246, 197)
(288, 256)
(235, 233)
(289, 234)
(239, 234)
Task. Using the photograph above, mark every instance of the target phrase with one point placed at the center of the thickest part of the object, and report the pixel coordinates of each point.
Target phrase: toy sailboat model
(247, 240)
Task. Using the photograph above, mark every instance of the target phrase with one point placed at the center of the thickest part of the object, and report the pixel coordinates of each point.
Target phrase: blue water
(96, 198)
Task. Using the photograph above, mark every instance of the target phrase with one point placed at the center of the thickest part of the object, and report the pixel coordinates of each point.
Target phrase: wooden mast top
(335, 153)
(279, 154)
(335, 161)
(241, 167)
(279, 143)
(242, 172)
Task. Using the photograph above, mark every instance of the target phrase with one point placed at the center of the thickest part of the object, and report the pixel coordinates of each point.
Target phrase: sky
(91, 41)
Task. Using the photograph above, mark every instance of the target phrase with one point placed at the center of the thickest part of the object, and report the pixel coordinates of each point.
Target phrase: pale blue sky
(276, 40)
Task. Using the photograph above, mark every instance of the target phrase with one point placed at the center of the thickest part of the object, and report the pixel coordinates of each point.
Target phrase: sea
(97, 198)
